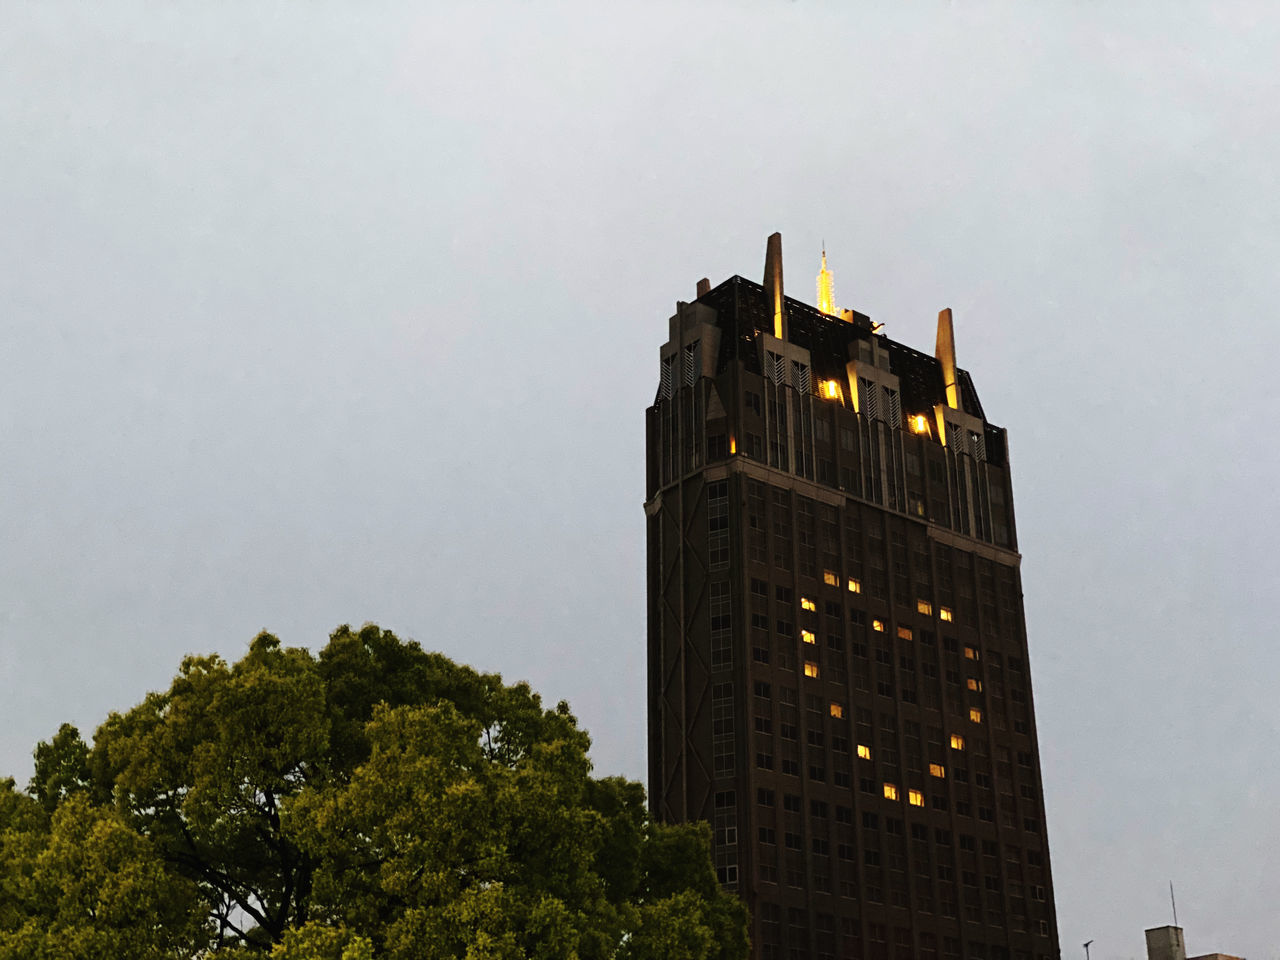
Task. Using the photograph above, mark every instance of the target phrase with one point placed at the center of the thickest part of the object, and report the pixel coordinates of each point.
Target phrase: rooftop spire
(826, 288)
(773, 283)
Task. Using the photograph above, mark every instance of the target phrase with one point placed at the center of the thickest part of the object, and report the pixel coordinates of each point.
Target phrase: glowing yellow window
(830, 579)
(807, 604)
(890, 792)
(975, 684)
(829, 389)
(810, 668)
(971, 653)
(957, 742)
(808, 637)
(733, 445)
(854, 586)
(915, 798)
(924, 606)
(864, 752)
(919, 424)
(904, 633)
(937, 770)
(877, 625)
(837, 710)
(945, 614)
(975, 714)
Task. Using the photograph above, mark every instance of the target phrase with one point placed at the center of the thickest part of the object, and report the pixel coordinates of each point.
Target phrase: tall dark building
(838, 676)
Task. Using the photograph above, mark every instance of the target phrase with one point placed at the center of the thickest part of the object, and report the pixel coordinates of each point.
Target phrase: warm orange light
(810, 669)
(971, 653)
(924, 606)
(829, 389)
(904, 633)
(878, 626)
(808, 637)
(890, 791)
(975, 714)
(975, 684)
(733, 445)
(945, 614)
(915, 798)
(837, 710)
(807, 604)
(826, 289)
(854, 586)
(937, 770)
(957, 742)
(864, 752)
(919, 424)
(830, 579)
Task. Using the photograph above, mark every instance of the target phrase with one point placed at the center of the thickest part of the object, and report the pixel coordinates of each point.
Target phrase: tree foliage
(375, 800)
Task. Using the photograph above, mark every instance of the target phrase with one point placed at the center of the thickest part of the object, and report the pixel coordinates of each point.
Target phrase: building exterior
(838, 677)
(1167, 943)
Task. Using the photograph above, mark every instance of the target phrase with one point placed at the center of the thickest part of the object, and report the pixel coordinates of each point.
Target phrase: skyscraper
(838, 677)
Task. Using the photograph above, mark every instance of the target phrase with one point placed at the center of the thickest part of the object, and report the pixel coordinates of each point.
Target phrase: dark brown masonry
(838, 675)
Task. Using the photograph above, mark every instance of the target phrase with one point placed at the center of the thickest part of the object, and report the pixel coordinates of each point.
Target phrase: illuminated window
(810, 668)
(807, 604)
(830, 579)
(924, 606)
(864, 752)
(808, 637)
(975, 684)
(904, 633)
(975, 714)
(890, 792)
(937, 770)
(915, 798)
(945, 613)
(919, 424)
(854, 586)
(837, 711)
(877, 625)
(971, 653)
(830, 389)
(957, 742)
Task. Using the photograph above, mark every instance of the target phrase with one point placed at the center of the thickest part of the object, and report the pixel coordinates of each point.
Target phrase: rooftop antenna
(1086, 949)
(1173, 903)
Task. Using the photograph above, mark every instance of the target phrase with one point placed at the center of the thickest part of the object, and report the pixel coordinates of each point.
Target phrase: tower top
(826, 287)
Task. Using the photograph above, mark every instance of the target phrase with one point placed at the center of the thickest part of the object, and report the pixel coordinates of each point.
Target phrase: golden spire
(826, 289)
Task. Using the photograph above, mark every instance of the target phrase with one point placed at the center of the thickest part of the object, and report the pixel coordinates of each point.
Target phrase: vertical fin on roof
(773, 283)
(945, 351)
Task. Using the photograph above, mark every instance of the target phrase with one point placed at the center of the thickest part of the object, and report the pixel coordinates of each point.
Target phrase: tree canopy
(374, 801)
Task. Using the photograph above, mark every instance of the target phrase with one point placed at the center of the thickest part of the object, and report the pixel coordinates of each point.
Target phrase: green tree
(375, 800)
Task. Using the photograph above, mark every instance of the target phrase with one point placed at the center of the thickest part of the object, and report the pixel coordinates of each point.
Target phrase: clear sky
(325, 313)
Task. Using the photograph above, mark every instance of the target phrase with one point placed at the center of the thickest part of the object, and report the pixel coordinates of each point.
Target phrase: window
(904, 633)
(937, 770)
(764, 797)
(807, 604)
(915, 798)
(878, 626)
(971, 653)
(975, 714)
(790, 803)
(810, 668)
(767, 835)
(762, 690)
(837, 710)
(890, 791)
(864, 752)
(830, 579)
(974, 684)
(945, 614)
(808, 637)
(854, 586)
(924, 606)
(957, 742)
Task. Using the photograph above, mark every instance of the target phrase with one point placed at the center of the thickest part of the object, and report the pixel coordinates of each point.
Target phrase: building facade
(837, 655)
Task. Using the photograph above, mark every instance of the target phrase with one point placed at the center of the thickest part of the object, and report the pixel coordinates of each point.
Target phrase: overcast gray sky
(326, 313)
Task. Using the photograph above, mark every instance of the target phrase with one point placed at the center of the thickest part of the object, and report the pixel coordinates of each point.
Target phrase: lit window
(829, 389)
(975, 684)
(877, 625)
(733, 445)
(808, 637)
(915, 798)
(945, 614)
(830, 579)
(807, 604)
(924, 606)
(890, 792)
(957, 742)
(864, 752)
(919, 424)
(975, 714)
(971, 653)
(854, 586)
(937, 770)
(837, 711)
(810, 668)
(904, 633)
